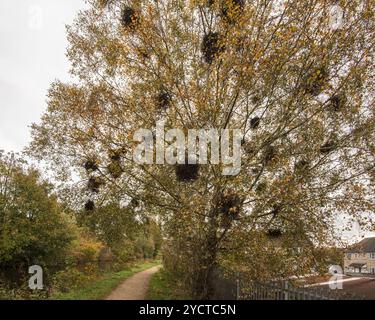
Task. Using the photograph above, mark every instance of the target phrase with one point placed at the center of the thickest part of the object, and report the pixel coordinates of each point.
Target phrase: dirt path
(134, 288)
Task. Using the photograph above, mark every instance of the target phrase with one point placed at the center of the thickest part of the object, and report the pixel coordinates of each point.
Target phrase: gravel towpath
(135, 287)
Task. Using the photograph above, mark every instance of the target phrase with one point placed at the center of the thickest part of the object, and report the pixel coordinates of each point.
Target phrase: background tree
(33, 228)
(129, 234)
(298, 86)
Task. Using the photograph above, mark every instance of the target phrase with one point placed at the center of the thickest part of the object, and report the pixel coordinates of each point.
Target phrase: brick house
(360, 258)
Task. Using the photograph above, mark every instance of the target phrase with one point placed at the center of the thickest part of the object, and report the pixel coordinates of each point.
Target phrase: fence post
(286, 292)
(238, 287)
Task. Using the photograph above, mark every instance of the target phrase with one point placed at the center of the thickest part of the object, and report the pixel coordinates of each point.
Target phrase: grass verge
(163, 286)
(103, 286)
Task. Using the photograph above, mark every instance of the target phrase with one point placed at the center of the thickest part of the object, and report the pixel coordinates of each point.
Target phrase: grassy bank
(103, 286)
(163, 286)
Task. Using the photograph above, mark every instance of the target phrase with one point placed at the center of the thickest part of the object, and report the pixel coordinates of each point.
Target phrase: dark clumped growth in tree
(248, 147)
(163, 100)
(115, 155)
(129, 17)
(187, 172)
(301, 166)
(91, 165)
(90, 205)
(261, 187)
(94, 184)
(337, 102)
(316, 80)
(274, 233)
(115, 169)
(211, 46)
(328, 147)
(254, 123)
(230, 9)
(230, 204)
(269, 154)
(134, 202)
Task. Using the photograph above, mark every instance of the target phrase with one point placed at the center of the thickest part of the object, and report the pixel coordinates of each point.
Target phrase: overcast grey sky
(32, 55)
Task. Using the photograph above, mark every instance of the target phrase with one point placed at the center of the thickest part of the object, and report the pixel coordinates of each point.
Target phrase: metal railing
(235, 286)
(363, 274)
(285, 290)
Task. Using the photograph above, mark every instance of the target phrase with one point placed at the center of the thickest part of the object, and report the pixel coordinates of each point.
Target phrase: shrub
(34, 228)
(69, 279)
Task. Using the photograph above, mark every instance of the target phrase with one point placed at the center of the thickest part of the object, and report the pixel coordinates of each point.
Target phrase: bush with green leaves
(33, 227)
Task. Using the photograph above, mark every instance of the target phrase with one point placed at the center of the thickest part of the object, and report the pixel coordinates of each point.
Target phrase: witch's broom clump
(115, 168)
(187, 172)
(130, 17)
(134, 202)
(231, 9)
(254, 123)
(248, 147)
(337, 102)
(89, 206)
(163, 100)
(316, 80)
(230, 205)
(261, 187)
(94, 184)
(211, 46)
(301, 166)
(269, 154)
(115, 155)
(328, 147)
(274, 233)
(91, 165)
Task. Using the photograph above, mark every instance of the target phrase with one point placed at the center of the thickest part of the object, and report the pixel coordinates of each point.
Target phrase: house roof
(367, 245)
